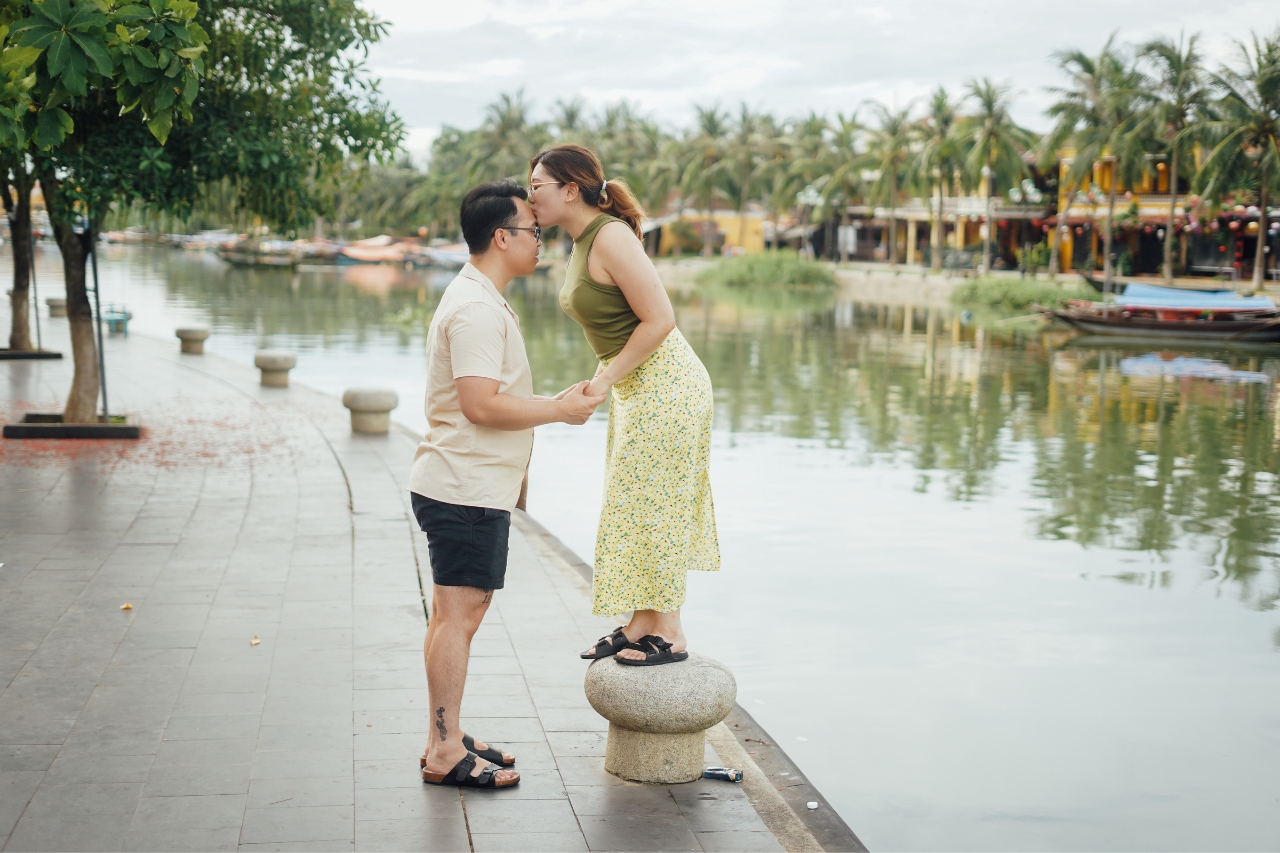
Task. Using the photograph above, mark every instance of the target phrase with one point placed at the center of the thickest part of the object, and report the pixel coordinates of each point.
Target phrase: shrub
(1014, 293)
(782, 269)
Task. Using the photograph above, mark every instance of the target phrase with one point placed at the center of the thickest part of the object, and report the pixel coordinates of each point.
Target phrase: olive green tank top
(600, 309)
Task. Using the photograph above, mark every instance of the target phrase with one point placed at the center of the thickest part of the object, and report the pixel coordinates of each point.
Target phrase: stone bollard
(659, 715)
(370, 408)
(57, 306)
(275, 365)
(192, 338)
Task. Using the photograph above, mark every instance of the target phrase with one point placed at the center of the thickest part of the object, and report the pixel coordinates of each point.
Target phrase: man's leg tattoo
(440, 726)
(488, 596)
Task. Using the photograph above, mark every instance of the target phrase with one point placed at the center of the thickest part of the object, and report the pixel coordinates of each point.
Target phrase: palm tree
(506, 141)
(743, 148)
(1244, 139)
(889, 150)
(1182, 95)
(704, 154)
(1099, 115)
(996, 145)
(939, 156)
(846, 160)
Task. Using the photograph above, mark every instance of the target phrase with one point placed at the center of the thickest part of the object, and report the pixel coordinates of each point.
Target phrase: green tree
(846, 160)
(704, 155)
(506, 141)
(1100, 115)
(941, 154)
(744, 146)
(889, 147)
(995, 147)
(1244, 140)
(1181, 95)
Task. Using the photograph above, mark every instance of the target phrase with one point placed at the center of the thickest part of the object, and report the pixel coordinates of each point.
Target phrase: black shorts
(468, 544)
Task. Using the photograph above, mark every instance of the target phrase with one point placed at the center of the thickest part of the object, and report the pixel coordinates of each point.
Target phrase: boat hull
(1245, 331)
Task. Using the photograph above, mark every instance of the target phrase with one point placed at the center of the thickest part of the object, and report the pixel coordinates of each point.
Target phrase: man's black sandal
(491, 755)
(607, 646)
(656, 651)
(461, 776)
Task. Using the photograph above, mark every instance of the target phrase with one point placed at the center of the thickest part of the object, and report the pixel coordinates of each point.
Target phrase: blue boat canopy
(1154, 296)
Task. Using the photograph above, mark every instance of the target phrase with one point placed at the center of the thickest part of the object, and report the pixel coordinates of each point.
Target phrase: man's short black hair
(485, 209)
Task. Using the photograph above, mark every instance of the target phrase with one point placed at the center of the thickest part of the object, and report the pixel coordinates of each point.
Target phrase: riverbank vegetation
(1015, 294)
(785, 270)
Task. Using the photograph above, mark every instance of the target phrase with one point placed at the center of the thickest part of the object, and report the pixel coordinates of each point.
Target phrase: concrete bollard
(370, 408)
(57, 306)
(275, 365)
(192, 338)
(659, 715)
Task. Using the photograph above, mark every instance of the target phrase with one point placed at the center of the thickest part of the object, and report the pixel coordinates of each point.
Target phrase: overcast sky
(443, 62)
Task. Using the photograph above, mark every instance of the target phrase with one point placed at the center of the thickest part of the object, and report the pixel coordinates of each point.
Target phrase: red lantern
(1233, 225)
(1044, 228)
(1079, 230)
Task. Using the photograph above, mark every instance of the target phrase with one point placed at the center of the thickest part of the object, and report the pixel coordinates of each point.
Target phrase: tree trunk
(893, 220)
(935, 234)
(1108, 271)
(82, 401)
(986, 232)
(20, 232)
(1168, 228)
(1260, 254)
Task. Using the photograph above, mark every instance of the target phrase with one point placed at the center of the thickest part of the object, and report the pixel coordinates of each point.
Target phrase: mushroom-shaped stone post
(659, 715)
(57, 306)
(370, 408)
(192, 338)
(275, 365)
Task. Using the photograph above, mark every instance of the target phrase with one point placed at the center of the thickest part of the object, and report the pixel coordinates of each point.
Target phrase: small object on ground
(757, 740)
(275, 365)
(117, 318)
(811, 805)
(370, 408)
(126, 606)
(607, 646)
(255, 641)
(657, 651)
(57, 306)
(724, 774)
(193, 338)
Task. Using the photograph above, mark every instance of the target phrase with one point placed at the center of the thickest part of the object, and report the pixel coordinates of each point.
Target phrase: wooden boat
(1149, 311)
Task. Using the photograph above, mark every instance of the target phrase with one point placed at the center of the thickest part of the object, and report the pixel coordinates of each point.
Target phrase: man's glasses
(537, 231)
(529, 189)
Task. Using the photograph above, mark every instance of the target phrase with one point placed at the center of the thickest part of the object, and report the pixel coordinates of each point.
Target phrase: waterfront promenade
(265, 688)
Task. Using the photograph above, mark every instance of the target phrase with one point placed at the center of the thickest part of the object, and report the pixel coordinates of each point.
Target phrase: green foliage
(1012, 293)
(784, 270)
(1037, 257)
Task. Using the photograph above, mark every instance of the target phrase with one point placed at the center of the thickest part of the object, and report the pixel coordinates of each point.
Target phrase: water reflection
(1132, 449)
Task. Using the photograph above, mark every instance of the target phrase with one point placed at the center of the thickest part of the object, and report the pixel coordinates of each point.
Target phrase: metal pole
(35, 295)
(97, 305)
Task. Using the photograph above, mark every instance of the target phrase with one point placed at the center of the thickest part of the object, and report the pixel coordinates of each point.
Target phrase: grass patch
(782, 269)
(1014, 293)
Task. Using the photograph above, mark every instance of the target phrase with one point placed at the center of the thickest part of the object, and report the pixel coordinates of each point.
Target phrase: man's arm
(484, 406)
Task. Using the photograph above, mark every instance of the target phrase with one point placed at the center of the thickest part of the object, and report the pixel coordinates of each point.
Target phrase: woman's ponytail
(579, 165)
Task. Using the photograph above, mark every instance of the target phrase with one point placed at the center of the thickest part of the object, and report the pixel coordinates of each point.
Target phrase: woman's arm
(620, 257)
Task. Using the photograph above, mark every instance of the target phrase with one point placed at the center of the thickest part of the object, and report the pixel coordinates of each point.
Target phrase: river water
(991, 590)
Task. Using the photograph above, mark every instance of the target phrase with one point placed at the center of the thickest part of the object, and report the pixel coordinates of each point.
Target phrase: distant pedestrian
(657, 521)
(468, 470)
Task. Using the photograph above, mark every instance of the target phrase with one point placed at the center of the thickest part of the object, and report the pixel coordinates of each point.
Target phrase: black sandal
(461, 776)
(491, 755)
(658, 652)
(607, 646)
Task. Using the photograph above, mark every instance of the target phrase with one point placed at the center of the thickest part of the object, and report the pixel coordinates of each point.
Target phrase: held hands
(576, 405)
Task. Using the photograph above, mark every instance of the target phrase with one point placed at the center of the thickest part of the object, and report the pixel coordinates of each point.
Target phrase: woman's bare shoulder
(617, 239)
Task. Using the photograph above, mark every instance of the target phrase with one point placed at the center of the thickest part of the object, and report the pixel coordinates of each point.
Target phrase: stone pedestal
(275, 365)
(658, 715)
(192, 338)
(370, 408)
(57, 306)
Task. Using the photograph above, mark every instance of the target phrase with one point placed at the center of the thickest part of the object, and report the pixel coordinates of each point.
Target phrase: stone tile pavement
(254, 514)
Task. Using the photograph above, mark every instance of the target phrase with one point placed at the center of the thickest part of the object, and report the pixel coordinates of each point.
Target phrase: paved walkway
(253, 514)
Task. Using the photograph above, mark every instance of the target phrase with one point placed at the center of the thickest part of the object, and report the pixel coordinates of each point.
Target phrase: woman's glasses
(537, 231)
(532, 186)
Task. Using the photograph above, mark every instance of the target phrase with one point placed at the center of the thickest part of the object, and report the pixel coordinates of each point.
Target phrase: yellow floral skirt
(658, 520)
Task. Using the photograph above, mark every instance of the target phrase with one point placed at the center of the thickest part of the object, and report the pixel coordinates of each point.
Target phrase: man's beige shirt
(474, 333)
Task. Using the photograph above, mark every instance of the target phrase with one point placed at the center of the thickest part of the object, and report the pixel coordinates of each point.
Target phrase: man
(468, 471)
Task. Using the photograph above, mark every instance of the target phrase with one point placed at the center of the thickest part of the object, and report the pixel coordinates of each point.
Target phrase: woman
(657, 520)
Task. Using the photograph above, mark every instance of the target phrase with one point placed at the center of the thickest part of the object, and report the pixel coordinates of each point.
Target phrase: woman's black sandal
(491, 755)
(607, 646)
(658, 651)
(461, 776)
